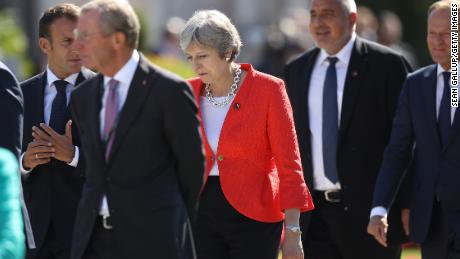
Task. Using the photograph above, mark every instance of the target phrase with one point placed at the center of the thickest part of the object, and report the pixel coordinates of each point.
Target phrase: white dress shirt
(213, 120)
(315, 109)
(382, 211)
(50, 93)
(124, 76)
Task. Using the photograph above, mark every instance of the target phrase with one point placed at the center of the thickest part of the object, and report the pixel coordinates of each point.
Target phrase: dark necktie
(330, 122)
(59, 108)
(444, 117)
(111, 112)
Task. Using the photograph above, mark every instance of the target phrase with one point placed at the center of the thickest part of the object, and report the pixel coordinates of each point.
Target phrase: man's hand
(64, 149)
(405, 220)
(38, 152)
(292, 246)
(378, 227)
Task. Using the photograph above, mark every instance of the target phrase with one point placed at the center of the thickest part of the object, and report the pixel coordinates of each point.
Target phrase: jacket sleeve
(183, 132)
(11, 112)
(294, 192)
(398, 153)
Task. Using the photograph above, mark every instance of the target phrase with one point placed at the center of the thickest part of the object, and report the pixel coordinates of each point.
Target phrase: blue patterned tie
(444, 117)
(330, 122)
(59, 108)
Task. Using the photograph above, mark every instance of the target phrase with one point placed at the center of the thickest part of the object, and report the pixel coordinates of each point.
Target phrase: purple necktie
(111, 112)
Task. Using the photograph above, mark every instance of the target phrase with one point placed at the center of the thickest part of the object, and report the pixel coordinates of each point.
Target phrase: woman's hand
(292, 246)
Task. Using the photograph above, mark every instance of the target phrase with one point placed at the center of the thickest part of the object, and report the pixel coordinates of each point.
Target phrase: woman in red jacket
(254, 178)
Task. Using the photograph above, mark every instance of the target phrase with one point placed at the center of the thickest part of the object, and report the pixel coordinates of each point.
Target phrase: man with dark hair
(51, 161)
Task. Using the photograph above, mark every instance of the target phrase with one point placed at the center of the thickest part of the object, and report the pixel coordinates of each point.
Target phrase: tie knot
(446, 76)
(113, 83)
(60, 85)
(332, 60)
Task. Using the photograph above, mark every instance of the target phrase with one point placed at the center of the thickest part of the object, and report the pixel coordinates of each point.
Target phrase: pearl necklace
(230, 94)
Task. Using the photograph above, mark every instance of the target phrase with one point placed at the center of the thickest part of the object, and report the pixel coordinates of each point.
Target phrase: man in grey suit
(140, 134)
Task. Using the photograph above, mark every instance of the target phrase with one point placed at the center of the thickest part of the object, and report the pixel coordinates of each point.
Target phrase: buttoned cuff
(23, 171)
(76, 157)
(379, 211)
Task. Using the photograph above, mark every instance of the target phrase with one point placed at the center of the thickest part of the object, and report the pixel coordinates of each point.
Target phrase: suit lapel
(95, 102)
(353, 83)
(429, 97)
(137, 94)
(303, 87)
(80, 79)
(38, 103)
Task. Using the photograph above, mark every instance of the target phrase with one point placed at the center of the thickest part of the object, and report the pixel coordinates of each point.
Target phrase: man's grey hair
(213, 29)
(116, 16)
(349, 6)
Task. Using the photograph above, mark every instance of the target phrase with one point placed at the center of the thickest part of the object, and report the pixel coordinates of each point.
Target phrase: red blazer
(258, 156)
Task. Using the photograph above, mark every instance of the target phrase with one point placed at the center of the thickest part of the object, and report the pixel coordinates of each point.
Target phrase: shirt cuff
(74, 161)
(379, 211)
(23, 171)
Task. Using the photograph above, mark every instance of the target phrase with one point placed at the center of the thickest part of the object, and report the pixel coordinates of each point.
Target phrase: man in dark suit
(343, 94)
(12, 115)
(140, 135)
(50, 163)
(426, 130)
(11, 111)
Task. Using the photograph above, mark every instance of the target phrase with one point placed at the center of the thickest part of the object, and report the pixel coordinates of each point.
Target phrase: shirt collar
(51, 77)
(343, 55)
(441, 70)
(126, 73)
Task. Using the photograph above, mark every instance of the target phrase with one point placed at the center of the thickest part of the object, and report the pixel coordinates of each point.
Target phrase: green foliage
(13, 43)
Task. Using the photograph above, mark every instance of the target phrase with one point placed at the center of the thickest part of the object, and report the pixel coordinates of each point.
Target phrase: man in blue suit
(425, 131)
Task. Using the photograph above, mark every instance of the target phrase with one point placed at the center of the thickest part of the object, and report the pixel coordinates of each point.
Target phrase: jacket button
(212, 158)
(220, 157)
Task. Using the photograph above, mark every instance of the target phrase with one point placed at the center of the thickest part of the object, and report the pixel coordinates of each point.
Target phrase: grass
(408, 253)
(411, 253)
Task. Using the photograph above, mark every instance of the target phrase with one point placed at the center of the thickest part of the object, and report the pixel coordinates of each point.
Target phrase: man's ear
(353, 18)
(45, 45)
(118, 40)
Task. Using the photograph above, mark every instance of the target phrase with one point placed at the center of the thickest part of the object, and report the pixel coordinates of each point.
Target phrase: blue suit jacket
(415, 136)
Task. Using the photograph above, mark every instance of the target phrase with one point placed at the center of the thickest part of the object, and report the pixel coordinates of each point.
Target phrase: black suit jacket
(436, 167)
(374, 78)
(52, 190)
(155, 170)
(12, 115)
(11, 111)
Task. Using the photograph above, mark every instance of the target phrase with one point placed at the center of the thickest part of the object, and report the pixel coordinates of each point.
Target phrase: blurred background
(273, 31)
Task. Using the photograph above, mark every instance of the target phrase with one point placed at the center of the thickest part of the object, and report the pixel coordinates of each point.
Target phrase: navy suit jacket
(52, 190)
(435, 167)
